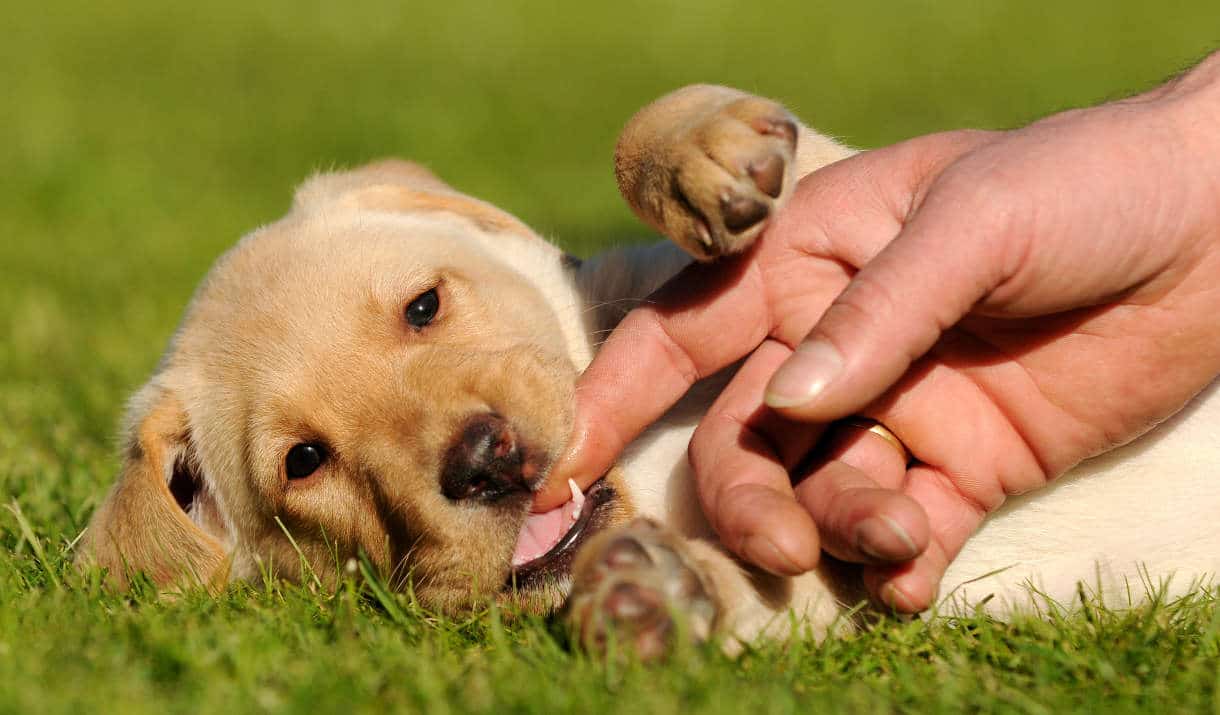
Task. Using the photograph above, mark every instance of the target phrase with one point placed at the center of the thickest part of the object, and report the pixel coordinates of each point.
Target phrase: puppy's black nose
(485, 462)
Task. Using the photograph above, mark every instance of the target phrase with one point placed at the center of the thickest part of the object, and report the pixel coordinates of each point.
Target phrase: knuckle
(678, 361)
(866, 303)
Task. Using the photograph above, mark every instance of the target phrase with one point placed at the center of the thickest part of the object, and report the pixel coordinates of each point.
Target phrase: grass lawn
(142, 138)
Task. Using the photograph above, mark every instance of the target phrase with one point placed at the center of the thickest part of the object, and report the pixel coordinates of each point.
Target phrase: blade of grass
(27, 533)
(306, 567)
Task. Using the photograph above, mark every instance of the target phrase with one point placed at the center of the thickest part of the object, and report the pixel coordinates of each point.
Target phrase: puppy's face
(378, 381)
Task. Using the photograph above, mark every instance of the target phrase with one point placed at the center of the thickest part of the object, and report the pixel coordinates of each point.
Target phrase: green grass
(141, 139)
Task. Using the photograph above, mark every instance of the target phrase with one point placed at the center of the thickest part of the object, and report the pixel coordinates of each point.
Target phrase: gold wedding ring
(871, 425)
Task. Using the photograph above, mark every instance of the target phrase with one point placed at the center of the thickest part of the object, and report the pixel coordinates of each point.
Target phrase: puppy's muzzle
(486, 462)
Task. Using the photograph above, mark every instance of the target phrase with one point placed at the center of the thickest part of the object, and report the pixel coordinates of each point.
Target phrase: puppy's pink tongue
(542, 531)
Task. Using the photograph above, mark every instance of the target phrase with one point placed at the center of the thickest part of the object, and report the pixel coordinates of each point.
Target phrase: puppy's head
(380, 372)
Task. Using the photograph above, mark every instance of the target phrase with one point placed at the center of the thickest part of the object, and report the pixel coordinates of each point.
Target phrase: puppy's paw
(635, 589)
(706, 166)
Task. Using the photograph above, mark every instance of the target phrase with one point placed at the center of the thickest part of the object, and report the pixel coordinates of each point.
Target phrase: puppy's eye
(303, 460)
(423, 309)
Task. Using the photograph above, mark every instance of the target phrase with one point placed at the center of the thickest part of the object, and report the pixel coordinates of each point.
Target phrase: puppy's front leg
(707, 165)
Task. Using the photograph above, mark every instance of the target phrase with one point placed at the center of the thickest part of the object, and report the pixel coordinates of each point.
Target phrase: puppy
(388, 370)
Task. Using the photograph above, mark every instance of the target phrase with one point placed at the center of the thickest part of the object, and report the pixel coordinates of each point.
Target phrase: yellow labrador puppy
(389, 369)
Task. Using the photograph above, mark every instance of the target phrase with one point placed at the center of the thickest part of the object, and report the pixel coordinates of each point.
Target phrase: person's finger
(741, 456)
(854, 497)
(870, 453)
(954, 516)
(677, 337)
(912, 586)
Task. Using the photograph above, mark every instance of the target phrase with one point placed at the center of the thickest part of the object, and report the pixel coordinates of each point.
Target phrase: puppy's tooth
(578, 497)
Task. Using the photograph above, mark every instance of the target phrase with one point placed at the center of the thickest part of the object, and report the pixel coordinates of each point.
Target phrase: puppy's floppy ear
(143, 524)
(398, 186)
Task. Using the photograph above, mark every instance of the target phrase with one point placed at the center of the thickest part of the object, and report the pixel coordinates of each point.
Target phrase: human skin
(1007, 303)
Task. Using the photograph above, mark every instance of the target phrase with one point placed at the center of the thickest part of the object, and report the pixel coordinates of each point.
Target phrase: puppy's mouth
(548, 541)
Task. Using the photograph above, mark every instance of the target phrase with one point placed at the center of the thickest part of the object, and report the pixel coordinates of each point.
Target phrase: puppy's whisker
(607, 331)
(633, 302)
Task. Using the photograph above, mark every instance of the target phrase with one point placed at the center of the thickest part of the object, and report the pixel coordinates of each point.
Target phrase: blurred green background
(142, 138)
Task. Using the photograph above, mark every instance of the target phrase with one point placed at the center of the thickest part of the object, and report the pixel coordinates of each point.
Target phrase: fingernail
(762, 552)
(893, 597)
(798, 381)
(885, 540)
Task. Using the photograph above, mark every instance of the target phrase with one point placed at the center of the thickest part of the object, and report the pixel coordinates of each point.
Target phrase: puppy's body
(424, 346)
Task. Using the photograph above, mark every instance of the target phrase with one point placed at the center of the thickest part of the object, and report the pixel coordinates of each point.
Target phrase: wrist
(1203, 78)
(1191, 104)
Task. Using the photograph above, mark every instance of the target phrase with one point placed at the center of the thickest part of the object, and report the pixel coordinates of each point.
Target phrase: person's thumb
(891, 313)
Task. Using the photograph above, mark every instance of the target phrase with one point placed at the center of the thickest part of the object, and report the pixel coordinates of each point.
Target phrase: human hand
(1007, 304)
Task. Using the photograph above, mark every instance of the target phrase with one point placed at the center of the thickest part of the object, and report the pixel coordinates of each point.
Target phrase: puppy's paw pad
(733, 169)
(634, 590)
(740, 213)
(625, 552)
(768, 175)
